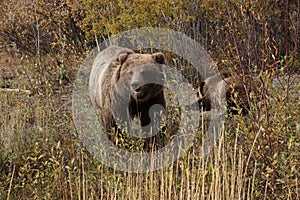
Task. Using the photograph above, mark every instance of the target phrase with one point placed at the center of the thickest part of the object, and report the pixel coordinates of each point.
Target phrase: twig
(233, 34)
(14, 90)
(11, 180)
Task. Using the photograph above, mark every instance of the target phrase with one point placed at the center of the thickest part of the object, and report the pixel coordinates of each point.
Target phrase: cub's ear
(122, 58)
(159, 58)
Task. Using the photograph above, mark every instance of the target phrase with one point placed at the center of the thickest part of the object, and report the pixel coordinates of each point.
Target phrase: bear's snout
(136, 86)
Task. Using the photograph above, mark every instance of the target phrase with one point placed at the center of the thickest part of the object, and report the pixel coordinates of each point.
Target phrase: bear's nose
(136, 86)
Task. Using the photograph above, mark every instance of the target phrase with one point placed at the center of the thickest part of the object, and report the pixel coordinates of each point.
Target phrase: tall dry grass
(42, 156)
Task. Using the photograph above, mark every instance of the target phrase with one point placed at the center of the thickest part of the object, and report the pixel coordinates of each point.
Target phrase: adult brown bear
(126, 86)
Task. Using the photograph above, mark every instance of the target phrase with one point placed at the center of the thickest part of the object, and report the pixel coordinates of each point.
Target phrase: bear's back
(101, 63)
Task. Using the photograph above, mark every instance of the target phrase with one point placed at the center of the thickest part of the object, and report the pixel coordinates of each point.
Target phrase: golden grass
(42, 156)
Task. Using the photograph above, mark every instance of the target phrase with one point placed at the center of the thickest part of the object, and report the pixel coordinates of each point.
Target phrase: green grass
(42, 156)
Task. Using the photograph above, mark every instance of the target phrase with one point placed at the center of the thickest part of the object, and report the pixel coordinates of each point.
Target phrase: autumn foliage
(42, 43)
(253, 31)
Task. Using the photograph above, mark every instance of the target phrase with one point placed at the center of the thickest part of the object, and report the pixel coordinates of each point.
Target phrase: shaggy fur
(121, 81)
(237, 91)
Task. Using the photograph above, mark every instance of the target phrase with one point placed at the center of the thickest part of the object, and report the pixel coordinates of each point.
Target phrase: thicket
(253, 33)
(260, 156)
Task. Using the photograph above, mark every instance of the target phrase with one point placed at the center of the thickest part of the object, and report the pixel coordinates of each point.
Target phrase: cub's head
(140, 75)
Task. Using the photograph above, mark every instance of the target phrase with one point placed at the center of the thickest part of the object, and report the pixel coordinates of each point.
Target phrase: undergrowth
(42, 156)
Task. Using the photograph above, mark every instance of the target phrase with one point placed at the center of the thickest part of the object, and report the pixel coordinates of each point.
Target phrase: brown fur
(119, 75)
(237, 91)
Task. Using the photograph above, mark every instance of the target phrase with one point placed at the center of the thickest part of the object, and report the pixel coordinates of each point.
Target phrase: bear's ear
(203, 89)
(122, 58)
(159, 57)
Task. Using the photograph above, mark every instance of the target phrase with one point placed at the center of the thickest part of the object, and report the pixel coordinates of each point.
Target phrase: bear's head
(140, 75)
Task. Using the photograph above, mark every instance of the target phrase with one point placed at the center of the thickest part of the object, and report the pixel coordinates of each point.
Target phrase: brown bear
(126, 85)
(237, 92)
